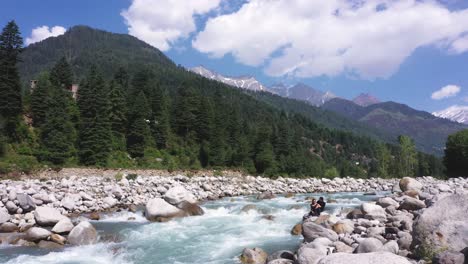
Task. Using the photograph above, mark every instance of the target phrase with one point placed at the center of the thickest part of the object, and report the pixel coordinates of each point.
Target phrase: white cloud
(460, 45)
(162, 22)
(41, 33)
(445, 92)
(306, 38)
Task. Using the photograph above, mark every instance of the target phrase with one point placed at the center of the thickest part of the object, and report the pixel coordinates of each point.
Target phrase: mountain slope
(83, 46)
(365, 99)
(455, 113)
(429, 132)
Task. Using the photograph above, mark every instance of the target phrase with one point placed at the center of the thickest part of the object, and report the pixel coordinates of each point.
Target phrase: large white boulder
(4, 215)
(253, 256)
(158, 209)
(369, 244)
(47, 216)
(178, 194)
(364, 258)
(25, 202)
(373, 211)
(312, 231)
(63, 226)
(83, 234)
(444, 225)
(407, 184)
(35, 234)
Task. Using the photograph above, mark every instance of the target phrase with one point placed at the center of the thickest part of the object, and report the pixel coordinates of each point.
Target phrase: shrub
(118, 176)
(132, 176)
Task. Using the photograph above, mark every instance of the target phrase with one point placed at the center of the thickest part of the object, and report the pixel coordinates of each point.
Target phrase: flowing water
(216, 237)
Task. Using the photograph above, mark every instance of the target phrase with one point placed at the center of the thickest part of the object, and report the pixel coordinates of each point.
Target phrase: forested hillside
(136, 111)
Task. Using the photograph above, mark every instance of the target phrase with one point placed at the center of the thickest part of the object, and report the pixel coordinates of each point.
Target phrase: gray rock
(63, 226)
(311, 231)
(11, 207)
(444, 225)
(391, 246)
(373, 212)
(159, 210)
(48, 245)
(47, 216)
(411, 204)
(281, 261)
(369, 244)
(404, 241)
(265, 195)
(109, 202)
(386, 202)
(178, 194)
(35, 234)
(407, 184)
(25, 202)
(4, 215)
(449, 257)
(365, 258)
(253, 256)
(282, 254)
(8, 228)
(82, 234)
(310, 255)
(68, 202)
(341, 247)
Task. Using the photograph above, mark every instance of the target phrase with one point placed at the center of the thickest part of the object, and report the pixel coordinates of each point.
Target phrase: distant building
(74, 90)
(33, 84)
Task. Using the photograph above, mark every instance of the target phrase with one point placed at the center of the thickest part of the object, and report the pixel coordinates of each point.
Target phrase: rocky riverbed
(43, 211)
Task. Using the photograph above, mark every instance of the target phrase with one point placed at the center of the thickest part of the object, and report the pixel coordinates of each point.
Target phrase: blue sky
(357, 49)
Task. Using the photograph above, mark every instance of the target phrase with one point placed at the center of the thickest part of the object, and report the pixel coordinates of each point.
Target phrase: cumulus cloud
(367, 39)
(445, 92)
(41, 33)
(162, 22)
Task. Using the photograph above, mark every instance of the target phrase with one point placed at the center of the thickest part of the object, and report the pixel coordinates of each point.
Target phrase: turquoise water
(216, 237)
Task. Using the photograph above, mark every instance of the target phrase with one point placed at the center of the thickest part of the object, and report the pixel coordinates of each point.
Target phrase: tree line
(168, 118)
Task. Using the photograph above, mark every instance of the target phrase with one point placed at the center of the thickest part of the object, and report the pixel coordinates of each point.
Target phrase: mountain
(83, 46)
(455, 113)
(306, 93)
(429, 132)
(365, 99)
(244, 82)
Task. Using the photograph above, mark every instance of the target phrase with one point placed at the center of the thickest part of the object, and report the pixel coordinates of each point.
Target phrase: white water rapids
(217, 237)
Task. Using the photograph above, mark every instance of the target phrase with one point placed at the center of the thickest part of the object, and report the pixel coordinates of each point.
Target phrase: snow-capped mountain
(365, 99)
(299, 91)
(457, 113)
(244, 82)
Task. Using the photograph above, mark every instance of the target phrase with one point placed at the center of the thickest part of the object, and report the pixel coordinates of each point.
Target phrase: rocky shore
(422, 221)
(41, 211)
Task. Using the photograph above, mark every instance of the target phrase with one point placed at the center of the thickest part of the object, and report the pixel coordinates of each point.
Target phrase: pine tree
(456, 154)
(138, 129)
(57, 133)
(61, 75)
(40, 99)
(264, 155)
(10, 85)
(160, 123)
(95, 128)
(117, 114)
(187, 110)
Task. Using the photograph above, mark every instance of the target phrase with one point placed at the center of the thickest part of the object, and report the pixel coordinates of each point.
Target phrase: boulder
(58, 239)
(4, 215)
(178, 194)
(94, 216)
(311, 231)
(190, 208)
(387, 201)
(281, 261)
(373, 212)
(364, 258)
(48, 245)
(282, 254)
(8, 228)
(249, 207)
(391, 246)
(310, 255)
(369, 244)
(408, 183)
(411, 204)
(109, 202)
(63, 226)
(296, 230)
(159, 210)
(355, 214)
(25, 202)
(265, 195)
(443, 226)
(341, 247)
(35, 234)
(11, 207)
(343, 227)
(83, 234)
(253, 256)
(47, 216)
(404, 240)
(449, 257)
(68, 202)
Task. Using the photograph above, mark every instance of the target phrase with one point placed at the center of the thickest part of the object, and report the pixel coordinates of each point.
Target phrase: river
(217, 237)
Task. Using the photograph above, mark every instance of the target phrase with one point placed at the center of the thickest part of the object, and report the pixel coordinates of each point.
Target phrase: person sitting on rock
(315, 208)
(322, 204)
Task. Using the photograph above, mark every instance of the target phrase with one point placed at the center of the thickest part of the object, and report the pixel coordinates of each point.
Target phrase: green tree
(407, 159)
(138, 129)
(10, 86)
(456, 154)
(186, 111)
(57, 133)
(384, 159)
(117, 114)
(40, 99)
(61, 75)
(264, 155)
(95, 127)
(160, 121)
